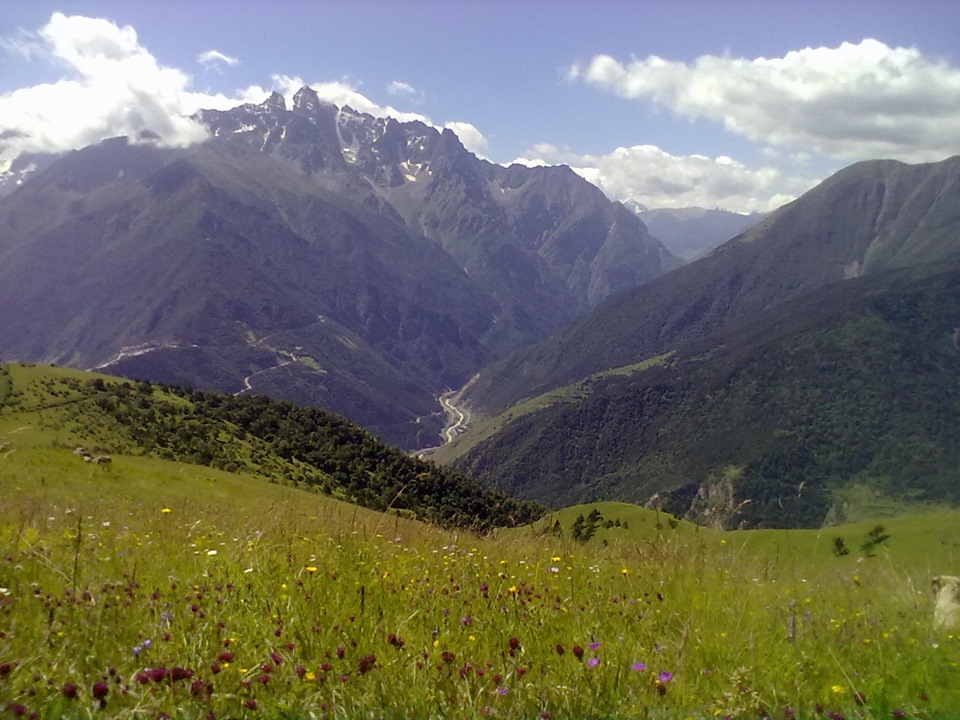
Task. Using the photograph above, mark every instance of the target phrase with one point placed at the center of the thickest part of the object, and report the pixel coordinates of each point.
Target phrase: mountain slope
(315, 253)
(870, 217)
(275, 440)
(769, 421)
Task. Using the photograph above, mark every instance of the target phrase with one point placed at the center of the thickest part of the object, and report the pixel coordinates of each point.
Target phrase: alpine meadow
(450, 361)
(156, 587)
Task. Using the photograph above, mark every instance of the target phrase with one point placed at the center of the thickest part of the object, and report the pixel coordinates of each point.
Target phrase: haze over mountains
(693, 232)
(311, 253)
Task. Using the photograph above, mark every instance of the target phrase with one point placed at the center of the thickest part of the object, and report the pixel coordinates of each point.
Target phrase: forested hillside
(278, 440)
(761, 424)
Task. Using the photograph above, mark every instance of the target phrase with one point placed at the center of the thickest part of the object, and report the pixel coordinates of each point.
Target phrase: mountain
(313, 253)
(693, 232)
(866, 219)
(14, 173)
(782, 419)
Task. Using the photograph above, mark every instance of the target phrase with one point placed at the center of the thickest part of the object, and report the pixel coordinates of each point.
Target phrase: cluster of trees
(584, 528)
(304, 445)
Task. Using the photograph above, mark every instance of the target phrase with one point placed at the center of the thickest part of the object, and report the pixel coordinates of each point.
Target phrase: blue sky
(668, 103)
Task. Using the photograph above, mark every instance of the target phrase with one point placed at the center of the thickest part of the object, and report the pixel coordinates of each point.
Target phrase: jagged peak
(307, 100)
(450, 140)
(274, 102)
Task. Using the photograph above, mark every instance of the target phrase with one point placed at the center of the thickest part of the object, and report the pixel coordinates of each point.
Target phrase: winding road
(247, 387)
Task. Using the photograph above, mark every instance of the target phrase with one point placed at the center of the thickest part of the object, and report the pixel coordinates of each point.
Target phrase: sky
(739, 104)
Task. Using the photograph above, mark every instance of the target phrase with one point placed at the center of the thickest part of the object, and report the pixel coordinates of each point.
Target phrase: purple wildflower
(639, 666)
(593, 662)
(366, 663)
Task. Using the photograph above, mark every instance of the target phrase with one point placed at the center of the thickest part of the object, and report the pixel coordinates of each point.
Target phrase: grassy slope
(304, 590)
(483, 428)
(274, 440)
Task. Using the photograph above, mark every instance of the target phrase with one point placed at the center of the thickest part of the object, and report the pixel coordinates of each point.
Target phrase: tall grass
(153, 589)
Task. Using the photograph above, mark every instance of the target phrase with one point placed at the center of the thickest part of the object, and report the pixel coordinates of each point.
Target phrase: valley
(334, 259)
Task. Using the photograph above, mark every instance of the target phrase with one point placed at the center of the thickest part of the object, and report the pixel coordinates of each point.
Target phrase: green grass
(275, 440)
(302, 590)
(148, 588)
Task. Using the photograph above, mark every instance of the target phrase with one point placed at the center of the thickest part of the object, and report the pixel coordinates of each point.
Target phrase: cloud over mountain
(398, 87)
(660, 179)
(852, 102)
(114, 87)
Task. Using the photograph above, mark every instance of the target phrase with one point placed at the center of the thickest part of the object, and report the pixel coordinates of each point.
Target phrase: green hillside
(279, 441)
(846, 398)
(153, 588)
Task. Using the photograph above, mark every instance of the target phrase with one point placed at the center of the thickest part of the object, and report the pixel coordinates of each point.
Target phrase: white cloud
(114, 87)
(855, 101)
(656, 178)
(400, 88)
(341, 93)
(214, 58)
(472, 139)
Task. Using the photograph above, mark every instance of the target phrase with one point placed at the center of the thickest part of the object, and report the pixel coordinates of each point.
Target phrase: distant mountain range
(312, 253)
(693, 232)
(814, 352)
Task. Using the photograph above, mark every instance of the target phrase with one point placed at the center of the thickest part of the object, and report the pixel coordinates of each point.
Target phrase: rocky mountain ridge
(312, 253)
